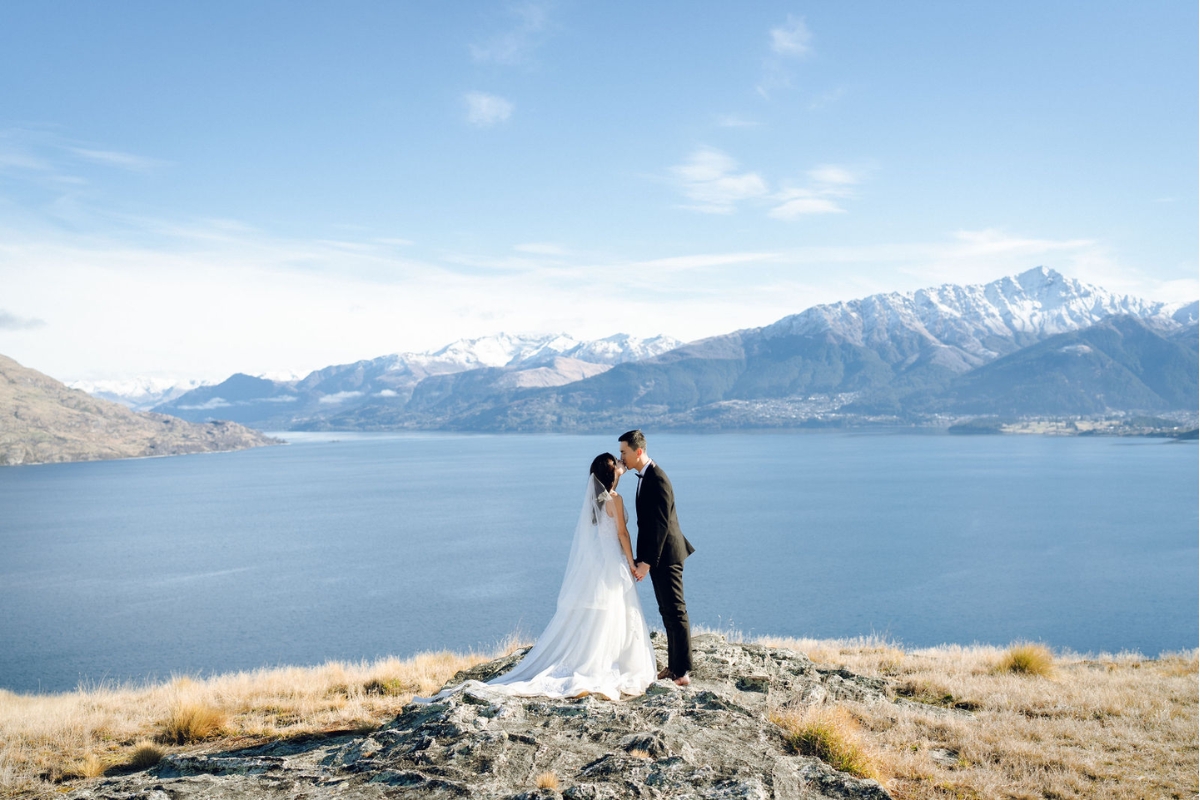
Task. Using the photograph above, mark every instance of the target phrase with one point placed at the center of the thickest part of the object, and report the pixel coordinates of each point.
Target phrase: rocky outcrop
(709, 740)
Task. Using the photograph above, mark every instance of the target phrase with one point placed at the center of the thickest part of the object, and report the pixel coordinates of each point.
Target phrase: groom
(661, 549)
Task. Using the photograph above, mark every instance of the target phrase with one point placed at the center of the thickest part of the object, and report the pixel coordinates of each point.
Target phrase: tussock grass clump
(90, 766)
(390, 687)
(636, 753)
(546, 780)
(934, 694)
(1027, 658)
(830, 734)
(191, 722)
(144, 756)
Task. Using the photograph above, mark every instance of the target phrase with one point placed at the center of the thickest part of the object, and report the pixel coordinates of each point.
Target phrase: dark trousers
(668, 591)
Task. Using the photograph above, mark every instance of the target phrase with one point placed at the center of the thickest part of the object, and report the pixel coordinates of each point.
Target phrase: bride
(597, 641)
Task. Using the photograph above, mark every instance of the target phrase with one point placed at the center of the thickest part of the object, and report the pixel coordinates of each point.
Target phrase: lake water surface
(352, 546)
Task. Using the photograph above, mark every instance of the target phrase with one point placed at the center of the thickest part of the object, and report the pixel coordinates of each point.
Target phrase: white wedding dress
(597, 641)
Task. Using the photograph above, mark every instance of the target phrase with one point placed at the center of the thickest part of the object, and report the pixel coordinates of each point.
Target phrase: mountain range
(505, 363)
(1037, 343)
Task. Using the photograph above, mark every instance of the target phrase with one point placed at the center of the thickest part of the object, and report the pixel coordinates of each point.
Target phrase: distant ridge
(42, 421)
(517, 362)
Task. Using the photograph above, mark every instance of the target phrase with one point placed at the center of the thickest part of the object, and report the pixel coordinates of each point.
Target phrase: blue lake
(352, 546)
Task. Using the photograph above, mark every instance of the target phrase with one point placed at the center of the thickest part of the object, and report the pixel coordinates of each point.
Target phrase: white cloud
(515, 45)
(339, 397)
(802, 202)
(714, 183)
(792, 38)
(828, 183)
(486, 110)
(711, 179)
(734, 121)
(702, 261)
(112, 158)
(826, 98)
(833, 175)
(386, 393)
(11, 322)
(541, 249)
(215, 402)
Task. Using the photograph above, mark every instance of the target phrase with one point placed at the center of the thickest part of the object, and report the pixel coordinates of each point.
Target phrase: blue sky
(196, 189)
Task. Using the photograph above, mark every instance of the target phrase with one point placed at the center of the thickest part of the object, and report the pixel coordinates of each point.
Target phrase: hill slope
(42, 421)
(1118, 364)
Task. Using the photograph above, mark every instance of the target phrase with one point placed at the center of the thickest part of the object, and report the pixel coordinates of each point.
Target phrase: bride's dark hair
(604, 467)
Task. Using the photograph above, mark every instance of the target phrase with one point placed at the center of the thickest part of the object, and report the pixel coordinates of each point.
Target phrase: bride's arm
(622, 531)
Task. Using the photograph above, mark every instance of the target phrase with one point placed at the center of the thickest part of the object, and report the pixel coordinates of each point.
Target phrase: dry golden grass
(1026, 658)
(830, 734)
(1108, 726)
(190, 722)
(636, 753)
(48, 739)
(1114, 726)
(144, 756)
(546, 780)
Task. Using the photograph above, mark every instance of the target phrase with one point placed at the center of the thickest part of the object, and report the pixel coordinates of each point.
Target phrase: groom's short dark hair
(634, 438)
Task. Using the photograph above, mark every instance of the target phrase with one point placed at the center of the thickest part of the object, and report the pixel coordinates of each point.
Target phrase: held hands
(640, 571)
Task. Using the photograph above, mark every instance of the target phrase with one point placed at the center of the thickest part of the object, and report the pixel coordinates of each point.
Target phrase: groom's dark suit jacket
(660, 541)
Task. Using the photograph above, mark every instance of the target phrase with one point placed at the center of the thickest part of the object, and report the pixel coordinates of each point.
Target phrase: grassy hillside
(966, 722)
(42, 421)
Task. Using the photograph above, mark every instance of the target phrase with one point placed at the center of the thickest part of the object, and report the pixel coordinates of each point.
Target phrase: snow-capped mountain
(980, 322)
(527, 361)
(503, 350)
(139, 393)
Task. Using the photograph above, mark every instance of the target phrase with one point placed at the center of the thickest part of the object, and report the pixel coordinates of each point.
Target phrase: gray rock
(709, 740)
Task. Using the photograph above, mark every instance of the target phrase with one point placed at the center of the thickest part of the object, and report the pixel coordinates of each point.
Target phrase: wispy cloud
(702, 261)
(712, 181)
(734, 121)
(112, 158)
(63, 167)
(542, 249)
(826, 98)
(792, 39)
(487, 110)
(827, 184)
(516, 44)
(11, 322)
(833, 175)
(715, 184)
(789, 42)
(803, 202)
